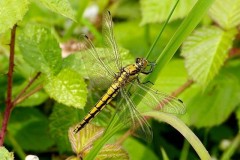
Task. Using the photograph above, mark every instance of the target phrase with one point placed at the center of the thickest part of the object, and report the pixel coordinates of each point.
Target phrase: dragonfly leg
(138, 80)
(151, 68)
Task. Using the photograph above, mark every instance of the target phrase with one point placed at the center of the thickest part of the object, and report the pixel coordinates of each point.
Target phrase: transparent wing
(129, 114)
(110, 44)
(153, 99)
(97, 70)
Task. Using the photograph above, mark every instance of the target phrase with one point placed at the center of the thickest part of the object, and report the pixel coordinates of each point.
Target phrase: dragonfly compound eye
(144, 63)
(138, 60)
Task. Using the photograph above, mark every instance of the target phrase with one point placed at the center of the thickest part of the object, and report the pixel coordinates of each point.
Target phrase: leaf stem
(182, 88)
(161, 31)
(183, 129)
(19, 98)
(16, 147)
(232, 148)
(185, 150)
(9, 104)
(28, 95)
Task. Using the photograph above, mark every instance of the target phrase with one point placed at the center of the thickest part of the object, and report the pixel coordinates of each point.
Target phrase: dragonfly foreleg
(138, 81)
(150, 70)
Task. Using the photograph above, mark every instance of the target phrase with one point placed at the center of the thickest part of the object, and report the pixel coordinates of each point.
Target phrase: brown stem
(23, 97)
(124, 137)
(9, 103)
(182, 88)
(20, 95)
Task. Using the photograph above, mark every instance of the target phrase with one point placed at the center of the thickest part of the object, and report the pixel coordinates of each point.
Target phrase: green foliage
(12, 11)
(174, 70)
(143, 152)
(184, 130)
(29, 128)
(205, 52)
(40, 49)
(157, 11)
(113, 152)
(67, 87)
(238, 116)
(34, 100)
(61, 119)
(84, 139)
(62, 7)
(179, 36)
(227, 14)
(217, 102)
(206, 78)
(5, 155)
(82, 143)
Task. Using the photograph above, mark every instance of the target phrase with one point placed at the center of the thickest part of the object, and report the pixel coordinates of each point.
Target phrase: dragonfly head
(141, 63)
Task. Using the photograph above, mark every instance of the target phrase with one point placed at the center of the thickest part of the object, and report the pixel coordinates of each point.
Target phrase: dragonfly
(108, 66)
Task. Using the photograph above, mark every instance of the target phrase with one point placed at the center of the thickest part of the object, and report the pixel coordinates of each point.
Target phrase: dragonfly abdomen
(106, 98)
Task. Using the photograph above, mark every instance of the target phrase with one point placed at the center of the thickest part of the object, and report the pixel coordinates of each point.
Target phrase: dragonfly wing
(110, 44)
(153, 99)
(131, 114)
(97, 70)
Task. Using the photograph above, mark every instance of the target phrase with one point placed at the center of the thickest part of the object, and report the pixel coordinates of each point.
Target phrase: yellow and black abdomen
(106, 98)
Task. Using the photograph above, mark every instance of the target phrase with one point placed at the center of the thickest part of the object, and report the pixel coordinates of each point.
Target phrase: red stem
(9, 104)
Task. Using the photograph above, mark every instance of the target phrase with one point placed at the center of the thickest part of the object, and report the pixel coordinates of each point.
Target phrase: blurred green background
(204, 72)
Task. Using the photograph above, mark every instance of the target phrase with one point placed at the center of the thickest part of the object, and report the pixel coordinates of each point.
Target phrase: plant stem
(124, 137)
(22, 98)
(182, 88)
(184, 130)
(185, 150)
(9, 104)
(232, 148)
(20, 95)
(161, 31)
(16, 147)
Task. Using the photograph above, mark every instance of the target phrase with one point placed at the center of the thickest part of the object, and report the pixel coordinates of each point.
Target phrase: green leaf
(125, 9)
(238, 116)
(82, 143)
(137, 150)
(205, 52)
(62, 7)
(68, 87)
(11, 12)
(123, 29)
(216, 104)
(40, 49)
(28, 125)
(157, 11)
(5, 154)
(172, 76)
(61, 119)
(226, 13)
(180, 35)
(113, 152)
(164, 154)
(84, 139)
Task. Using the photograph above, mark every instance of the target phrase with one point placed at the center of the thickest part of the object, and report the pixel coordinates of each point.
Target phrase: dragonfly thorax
(133, 70)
